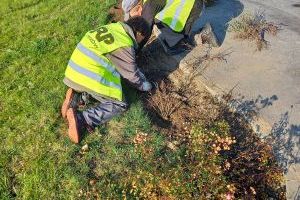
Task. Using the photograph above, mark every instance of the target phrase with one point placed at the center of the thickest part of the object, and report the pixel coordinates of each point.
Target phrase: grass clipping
(253, 27)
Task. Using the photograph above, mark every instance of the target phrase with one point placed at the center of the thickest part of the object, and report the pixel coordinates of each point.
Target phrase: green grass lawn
(37, 39)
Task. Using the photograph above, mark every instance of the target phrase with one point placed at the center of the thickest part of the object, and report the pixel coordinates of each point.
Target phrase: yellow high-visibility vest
(175, 13)
(89, 67)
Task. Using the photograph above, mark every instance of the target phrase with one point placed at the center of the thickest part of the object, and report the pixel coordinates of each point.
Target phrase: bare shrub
(168, 99)
(253, 27)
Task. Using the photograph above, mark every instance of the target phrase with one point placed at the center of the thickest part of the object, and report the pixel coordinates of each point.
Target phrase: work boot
(74, 100)
(208, 35)
(74, 131)
(67, 102)
(77, 125)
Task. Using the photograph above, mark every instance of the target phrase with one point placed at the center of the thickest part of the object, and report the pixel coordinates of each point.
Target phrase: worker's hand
(146, 87)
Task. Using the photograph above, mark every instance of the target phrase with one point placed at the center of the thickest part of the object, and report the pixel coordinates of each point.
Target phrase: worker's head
(140, 28)
(132, 8)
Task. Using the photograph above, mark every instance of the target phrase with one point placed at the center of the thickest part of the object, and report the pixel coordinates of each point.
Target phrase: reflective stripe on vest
(176, 13)
(98, 59)
(93, 75)
(161, 14)
(90, 68)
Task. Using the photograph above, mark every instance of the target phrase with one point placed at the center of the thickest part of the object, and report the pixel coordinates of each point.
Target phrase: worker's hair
(136, 7)
(139, 25)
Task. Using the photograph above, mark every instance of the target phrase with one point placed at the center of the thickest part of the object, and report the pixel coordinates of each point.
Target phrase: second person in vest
(100, 60)
(174, 19)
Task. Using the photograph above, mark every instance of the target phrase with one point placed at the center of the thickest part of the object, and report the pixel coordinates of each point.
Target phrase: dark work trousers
(104, 111)
(152, 7)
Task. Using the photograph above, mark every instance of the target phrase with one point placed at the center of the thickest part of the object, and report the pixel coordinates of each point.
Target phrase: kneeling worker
(96, 66)
(174, 19)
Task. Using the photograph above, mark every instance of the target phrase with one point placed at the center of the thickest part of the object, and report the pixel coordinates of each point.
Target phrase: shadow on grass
(252, 161)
